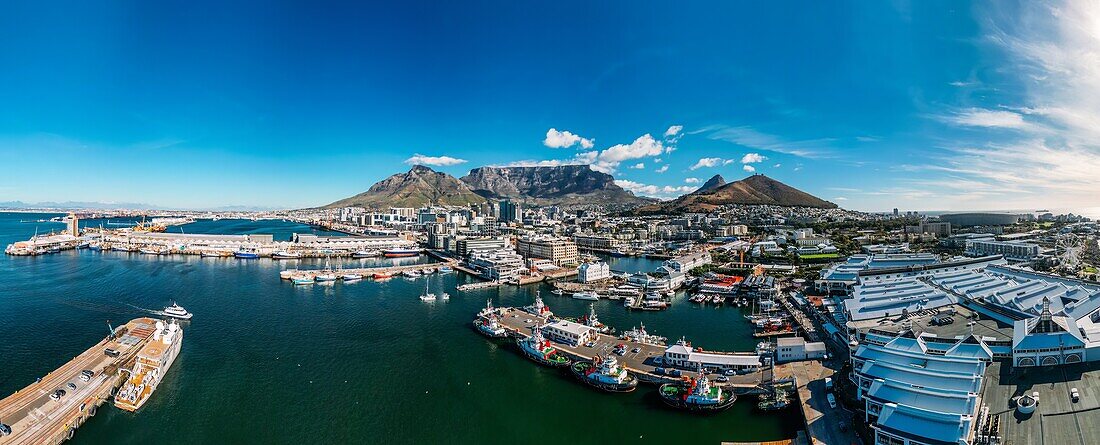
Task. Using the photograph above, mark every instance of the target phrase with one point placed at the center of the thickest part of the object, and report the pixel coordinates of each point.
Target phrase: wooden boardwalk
(35, 418)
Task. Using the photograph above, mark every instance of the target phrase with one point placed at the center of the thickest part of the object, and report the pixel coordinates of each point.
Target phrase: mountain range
(549, 185)
(753, 190)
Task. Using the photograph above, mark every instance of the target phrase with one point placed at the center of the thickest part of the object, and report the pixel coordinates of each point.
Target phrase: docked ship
(490, 327)
(285, 255)
(605, 374)
(696, 395)
(538, 348)
(364, 254)
(400, 252)
(538, 308)
(153, 361)
(592, 321)
(246, 254)
(640, 335)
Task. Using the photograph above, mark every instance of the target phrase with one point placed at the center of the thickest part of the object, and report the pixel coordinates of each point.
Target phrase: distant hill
(550, 185)
(417, 187)
(712, 184)
(753, 190)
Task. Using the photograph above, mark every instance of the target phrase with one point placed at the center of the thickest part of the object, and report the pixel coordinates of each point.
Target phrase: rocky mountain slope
(417, 187)
(557, 185)
(753, 190)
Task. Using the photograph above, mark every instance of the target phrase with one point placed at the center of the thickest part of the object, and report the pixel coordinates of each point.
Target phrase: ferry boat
(285, 255)
(696, 395)
(587, 295)
(246, 254)
(538, 348)
(605, 374)
(490, 327)
(400, 252)
(152, 362)
(302, 279)
(177, 311)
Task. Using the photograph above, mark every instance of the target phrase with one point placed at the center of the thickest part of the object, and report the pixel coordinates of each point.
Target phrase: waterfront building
(1012, 250)
(561, 251)
(592, 241)
(793, 349)
(596, 271)
(980, 219)
(570, 333)
(685, 263)
(501, 264)
(681, 355)
(464, 247)
(842, 276)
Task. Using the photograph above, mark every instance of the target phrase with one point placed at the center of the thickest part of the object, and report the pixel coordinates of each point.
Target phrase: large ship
(538, 348)
(151, 364)
(605, 374)
(696, 395)
(400, 252)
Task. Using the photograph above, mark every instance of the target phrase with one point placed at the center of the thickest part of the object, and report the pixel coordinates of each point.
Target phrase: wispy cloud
(419, 159)
(709, 162)
(691, 180)
(664, 168)
(748, 137)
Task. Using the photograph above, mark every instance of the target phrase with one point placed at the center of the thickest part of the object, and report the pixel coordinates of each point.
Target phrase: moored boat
(152, 362)
(351, 277)
(246, 254)
(400, 252)
(445, 269)
(605, 374)
(177, 311)
(302, 279)
(538, 349)
(586, 295)
(382, 275)
(696, 395)
(326, 276)
(364, 254)
(490, 327)
(285, 255)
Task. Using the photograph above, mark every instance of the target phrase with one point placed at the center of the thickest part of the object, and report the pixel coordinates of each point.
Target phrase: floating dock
(36, 418)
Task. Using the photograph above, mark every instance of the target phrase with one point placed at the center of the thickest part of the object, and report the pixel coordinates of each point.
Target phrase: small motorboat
(285, 255)
(302, 279)
(351, 277)
(327, 276)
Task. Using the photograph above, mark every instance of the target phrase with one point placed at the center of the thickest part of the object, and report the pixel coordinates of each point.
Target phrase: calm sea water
(269, 363)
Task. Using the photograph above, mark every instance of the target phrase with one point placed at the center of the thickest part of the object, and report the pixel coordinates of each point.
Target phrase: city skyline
(923, 106)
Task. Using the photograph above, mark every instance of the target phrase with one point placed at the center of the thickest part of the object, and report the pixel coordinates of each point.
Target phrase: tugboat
(605, 374)
(696, 395)
(539, 349)
(592, 321)
(489, 310)
(490, 327)
(538, 308)
(640, 335)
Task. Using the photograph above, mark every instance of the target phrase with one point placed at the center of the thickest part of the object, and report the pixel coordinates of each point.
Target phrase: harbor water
(267, 362)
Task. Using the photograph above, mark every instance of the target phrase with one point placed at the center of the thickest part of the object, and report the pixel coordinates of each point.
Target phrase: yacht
(285, 255)
(428, 296)
(177, 311)
(152, 362)
(587, 295)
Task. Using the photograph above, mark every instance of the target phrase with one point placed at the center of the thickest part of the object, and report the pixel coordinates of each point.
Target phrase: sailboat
(428, 296)
(327, 274)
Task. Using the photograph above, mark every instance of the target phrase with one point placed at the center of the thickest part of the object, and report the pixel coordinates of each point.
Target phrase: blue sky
(874, 105)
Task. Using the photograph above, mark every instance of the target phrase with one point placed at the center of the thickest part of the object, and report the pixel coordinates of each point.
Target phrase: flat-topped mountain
(550, 185)
(753, 190)
(417, 187)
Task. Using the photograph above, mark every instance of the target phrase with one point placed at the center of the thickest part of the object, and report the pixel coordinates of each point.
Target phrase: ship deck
(36, 419)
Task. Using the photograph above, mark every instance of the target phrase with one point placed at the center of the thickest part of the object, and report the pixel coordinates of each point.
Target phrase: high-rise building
(510, 211)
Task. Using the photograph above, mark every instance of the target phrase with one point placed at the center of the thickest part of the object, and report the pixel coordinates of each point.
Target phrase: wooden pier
(35, 418)
(520, 324)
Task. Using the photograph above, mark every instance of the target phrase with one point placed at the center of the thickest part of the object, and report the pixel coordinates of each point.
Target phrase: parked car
(722, 379)
(730, 372)
(831, 399)
(71, 386)
(1073, 394)
(674, 373)
(636, 350)
(4, 430)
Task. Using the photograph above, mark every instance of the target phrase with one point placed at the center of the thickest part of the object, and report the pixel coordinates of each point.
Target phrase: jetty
(644, 363)
(37, 418)
(367, 271)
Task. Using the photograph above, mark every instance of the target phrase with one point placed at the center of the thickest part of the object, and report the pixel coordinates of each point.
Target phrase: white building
(680, 355)
(502, 264)
(685, 263)
(589, 272)
(1012, 250)
(570, 333)
(793, 349)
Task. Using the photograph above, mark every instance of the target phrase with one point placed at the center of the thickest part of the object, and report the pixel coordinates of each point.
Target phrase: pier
(367, 271)
(519, 324)
(36, 418)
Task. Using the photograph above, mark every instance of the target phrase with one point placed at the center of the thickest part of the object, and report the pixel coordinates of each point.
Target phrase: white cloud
(749, 137)
(565, 139)
(664, 168)
(656, 160)
(691, 180)
(777, 165)
(419, 159)
(664, 192)
(638, 166)
(840, 198)
(752, 158)
(748, 168)
(706, 163)
(977, 117)
(673, 131)
(642, 147)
